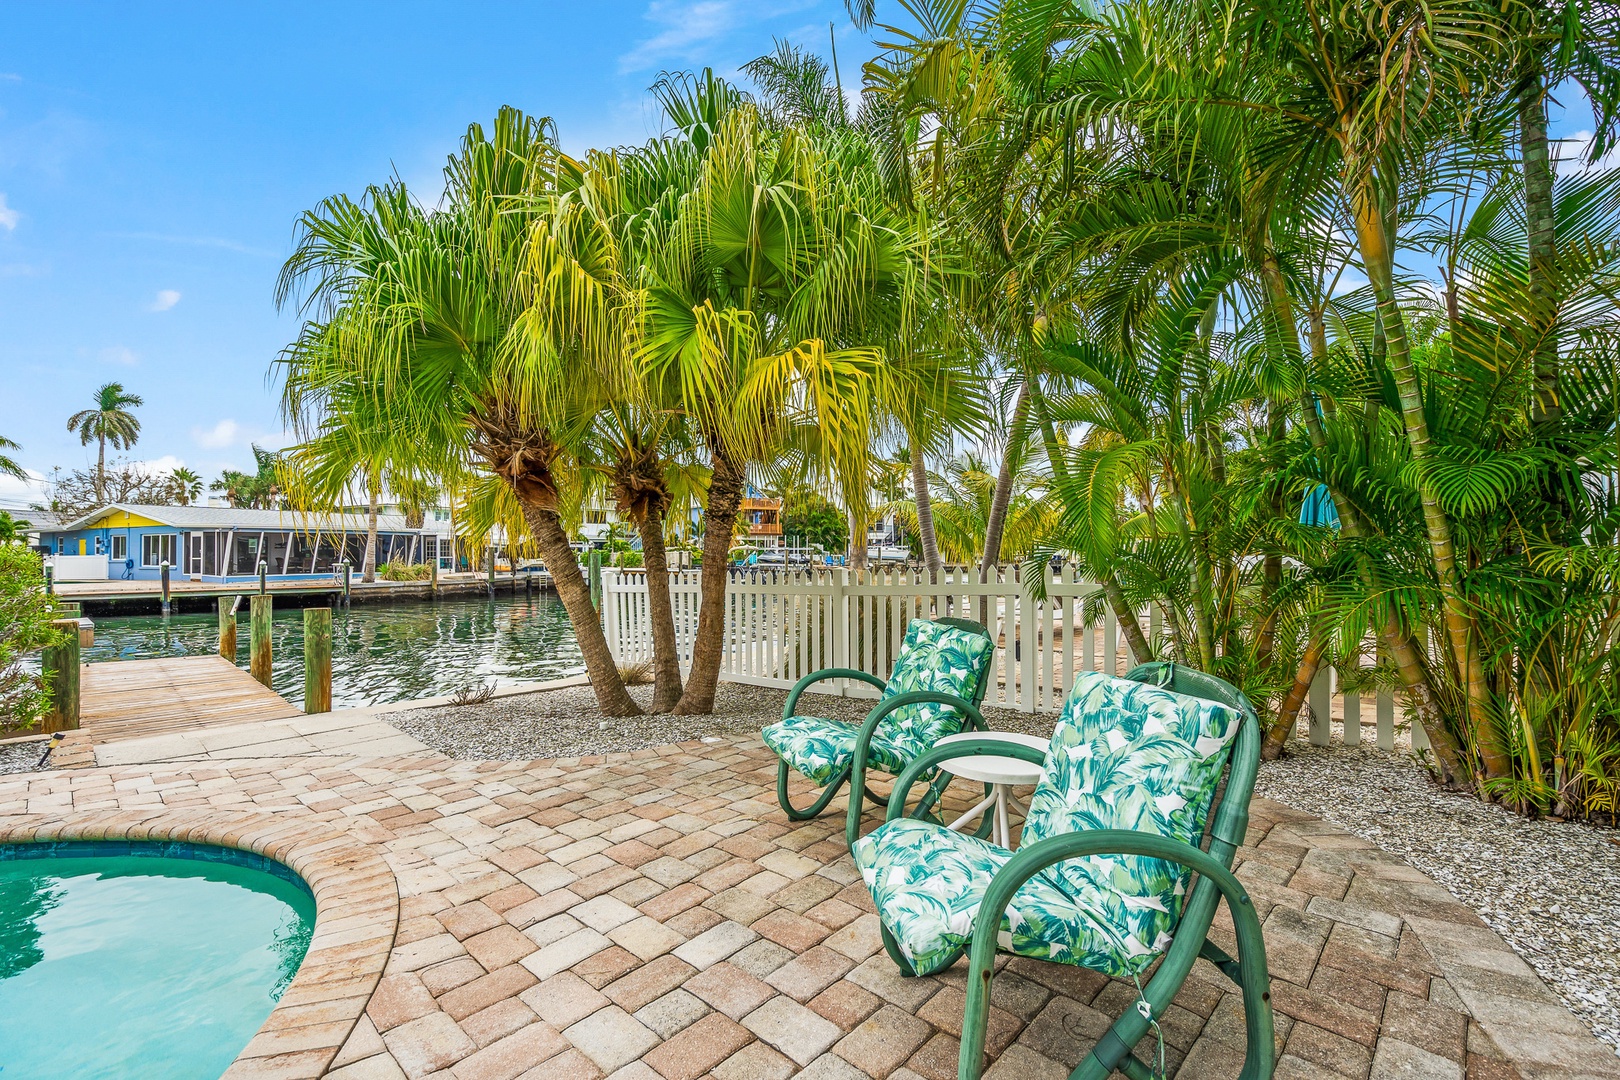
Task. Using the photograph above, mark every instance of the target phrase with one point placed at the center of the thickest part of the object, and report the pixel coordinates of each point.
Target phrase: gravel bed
(20, 757)
(1551, 889)
(566, 723)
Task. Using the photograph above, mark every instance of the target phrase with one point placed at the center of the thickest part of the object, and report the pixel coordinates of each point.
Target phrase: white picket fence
(784, 624)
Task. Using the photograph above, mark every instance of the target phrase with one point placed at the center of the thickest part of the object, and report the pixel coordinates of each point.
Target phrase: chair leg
(827, 795)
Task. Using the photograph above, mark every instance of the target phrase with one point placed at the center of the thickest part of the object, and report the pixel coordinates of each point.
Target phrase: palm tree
(187, 486)
(410, 359)
(8, 465)
(108, 421)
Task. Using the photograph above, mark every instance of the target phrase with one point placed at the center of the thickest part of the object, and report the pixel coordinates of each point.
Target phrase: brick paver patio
(653, 915)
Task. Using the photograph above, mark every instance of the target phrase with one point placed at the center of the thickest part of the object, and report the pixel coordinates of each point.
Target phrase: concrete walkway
(653, 915)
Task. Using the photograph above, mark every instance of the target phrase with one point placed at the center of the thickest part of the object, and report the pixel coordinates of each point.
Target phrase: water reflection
(380, 652)
(24, 898)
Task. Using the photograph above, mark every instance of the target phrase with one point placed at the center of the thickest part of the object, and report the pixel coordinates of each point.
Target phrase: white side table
(1002, 773)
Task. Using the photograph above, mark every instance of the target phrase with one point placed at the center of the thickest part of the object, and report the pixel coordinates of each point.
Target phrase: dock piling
(347, 569)
(317, 660)
(259, 663)
(60, 666)
(163, 570)
(492, 572)
(227, 628)
(433, 581)
(594, 561)
(264, 568)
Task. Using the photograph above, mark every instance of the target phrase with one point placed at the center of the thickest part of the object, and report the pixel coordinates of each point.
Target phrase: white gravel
(20, 757)
(1551, 889)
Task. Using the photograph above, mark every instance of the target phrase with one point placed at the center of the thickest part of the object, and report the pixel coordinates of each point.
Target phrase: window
(157, 548)
(101, 544)
(120, 547)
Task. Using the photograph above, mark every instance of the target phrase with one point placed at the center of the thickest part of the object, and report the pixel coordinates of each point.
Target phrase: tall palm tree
(108, 421)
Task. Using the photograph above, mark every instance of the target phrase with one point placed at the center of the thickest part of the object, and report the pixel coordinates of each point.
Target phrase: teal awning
(1318, 508)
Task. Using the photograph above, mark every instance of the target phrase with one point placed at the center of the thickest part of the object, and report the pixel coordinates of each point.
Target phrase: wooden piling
(163, 571)
(317, 659)
(60, 664)
(595, 564)
(227, 628)
(259, 664)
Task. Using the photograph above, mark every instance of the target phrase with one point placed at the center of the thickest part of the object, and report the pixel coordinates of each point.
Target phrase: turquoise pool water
(137, 961)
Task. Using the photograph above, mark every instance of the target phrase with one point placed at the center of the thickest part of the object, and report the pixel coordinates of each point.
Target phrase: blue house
(220, 544)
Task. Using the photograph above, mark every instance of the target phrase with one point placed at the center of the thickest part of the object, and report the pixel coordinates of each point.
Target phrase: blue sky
(153, 159)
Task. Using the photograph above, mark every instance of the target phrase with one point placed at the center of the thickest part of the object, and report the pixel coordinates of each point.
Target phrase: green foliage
(398, 570)
(629, 559)
(12, 531)
(26, 612)
(809, 517)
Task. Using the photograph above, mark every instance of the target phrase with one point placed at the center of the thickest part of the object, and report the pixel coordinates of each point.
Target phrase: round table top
(993, 768)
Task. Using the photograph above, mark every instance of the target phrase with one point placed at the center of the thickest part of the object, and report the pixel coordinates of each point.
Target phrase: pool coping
(356, 916)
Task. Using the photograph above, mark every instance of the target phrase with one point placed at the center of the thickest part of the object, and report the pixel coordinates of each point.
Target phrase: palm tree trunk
(1543, 249)
(1372, 230)
(611, 696)
(997, 521)
(1282, 726)
(368, 566)
(726, 481)
(1126, 618)
(666, 652)
(925, 515)
(101, 469)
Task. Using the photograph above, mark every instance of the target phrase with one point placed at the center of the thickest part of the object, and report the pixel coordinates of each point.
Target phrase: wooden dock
(139, 699)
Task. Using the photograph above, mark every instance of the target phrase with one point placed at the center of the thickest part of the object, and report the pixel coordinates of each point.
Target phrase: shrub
(630, 559)
(26, 612)
(394, 570)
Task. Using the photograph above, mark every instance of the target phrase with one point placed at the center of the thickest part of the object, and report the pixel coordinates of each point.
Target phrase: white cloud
(686, 26)
(119, 354)
(158, 466)
(14, 490)
(8, 216)
(165, 299)
(223, 434)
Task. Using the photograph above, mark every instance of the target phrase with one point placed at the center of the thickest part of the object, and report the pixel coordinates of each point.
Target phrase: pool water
(140, 966)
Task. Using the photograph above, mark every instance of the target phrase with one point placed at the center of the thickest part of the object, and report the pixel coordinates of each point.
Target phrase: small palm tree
(109, 421)
(187, 486)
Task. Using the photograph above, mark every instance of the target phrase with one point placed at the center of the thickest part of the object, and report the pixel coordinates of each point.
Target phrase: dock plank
(140, 699)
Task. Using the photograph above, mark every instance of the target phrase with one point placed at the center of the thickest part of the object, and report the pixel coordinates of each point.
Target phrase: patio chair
(937, 685)
(1101, 876)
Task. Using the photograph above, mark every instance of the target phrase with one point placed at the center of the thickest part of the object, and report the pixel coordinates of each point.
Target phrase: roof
(228, 517)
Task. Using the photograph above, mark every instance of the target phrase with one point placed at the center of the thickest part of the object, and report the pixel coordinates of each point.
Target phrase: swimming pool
(136, 960)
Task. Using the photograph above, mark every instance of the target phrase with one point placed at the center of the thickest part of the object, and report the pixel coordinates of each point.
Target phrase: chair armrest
(926, 761)
(821, 676)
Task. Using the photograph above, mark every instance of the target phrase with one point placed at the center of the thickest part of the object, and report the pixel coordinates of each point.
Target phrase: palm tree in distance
(109, 421)
(187, 486)
(13, 530)
(8, 465)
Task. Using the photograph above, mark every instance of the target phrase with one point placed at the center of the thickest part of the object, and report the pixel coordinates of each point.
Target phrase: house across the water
(219, 544)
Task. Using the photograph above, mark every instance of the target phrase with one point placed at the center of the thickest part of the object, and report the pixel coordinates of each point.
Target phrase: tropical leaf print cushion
(1124, 756)
(935, 656)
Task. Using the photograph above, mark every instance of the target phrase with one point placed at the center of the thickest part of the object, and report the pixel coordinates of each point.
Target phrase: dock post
(595, 562)
(347, 569)
(259, 662)
(433, 581)
(60, 666)
(492, 572)
(264, 568)
(317, 659)
(164, 571)
(227, 628)
(50, 578)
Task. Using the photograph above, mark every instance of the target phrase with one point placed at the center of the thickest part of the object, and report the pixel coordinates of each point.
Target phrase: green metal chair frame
(1215, 881)
(855, 772)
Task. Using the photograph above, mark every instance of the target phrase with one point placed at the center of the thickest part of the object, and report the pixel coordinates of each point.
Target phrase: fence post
(259, 661)
(317, 659)
(1321, 695)
(1352, 707)
(60, 667)
(163, 571)
(227, 628)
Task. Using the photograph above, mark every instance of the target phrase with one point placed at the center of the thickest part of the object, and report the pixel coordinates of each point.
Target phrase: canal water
(381, 652)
